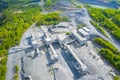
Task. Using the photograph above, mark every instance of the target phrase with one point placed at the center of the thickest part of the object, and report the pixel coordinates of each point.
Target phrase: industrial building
(60, 39)
(84, 33)
(78, 37)
(86, 29)
(34, 42)
(63, 39)
(82, 68)
(47, 39)
(53, 54)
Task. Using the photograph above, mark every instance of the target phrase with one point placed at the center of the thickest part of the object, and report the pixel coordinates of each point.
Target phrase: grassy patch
(68, 33)
(81, 25)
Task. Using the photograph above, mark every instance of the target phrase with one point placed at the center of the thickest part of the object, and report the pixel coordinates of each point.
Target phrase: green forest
(48, 3)
(109, 19)
(49, 19)
(8, 3)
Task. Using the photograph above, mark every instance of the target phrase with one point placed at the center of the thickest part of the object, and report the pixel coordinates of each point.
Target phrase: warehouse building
(60, 39)
(78, 37)
(63, 39)
(53, 54)
(83, 33)
(47, 39)
(34, 42)
(86, 29)
(82, 68)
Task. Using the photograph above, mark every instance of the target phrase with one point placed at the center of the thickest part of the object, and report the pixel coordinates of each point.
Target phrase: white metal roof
(34, 42)
(32, 36)
(46, 35)
(86, 29)
(74, 32)
(53, 51)
(83, 31)
(47, 39)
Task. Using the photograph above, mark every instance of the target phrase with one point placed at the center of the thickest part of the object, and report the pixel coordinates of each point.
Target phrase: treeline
(8, 3)
(49, 3)
(16, 69)
(81, 25)
(105, 44)
(116, 78)
(116, 19)
(48, 19)
(107, 18)
(111, 57)
(51, 19)
(3, 68)
(99, 28)
(11, 30)
(23, 8)
(109, 52)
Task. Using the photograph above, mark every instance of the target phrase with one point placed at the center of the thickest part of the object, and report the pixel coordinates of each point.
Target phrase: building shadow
(50, 61)
(29, 40)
